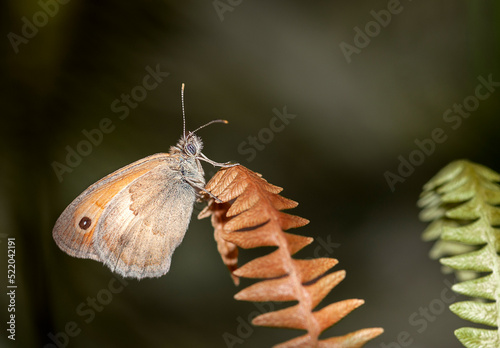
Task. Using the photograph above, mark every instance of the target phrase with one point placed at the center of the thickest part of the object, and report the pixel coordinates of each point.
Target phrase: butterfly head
(190, 145)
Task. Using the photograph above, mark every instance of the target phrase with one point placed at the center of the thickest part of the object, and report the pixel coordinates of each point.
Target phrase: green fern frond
(463, 204)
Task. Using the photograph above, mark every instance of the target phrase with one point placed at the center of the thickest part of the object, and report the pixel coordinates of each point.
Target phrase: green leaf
(448, 173)
(479, 261)
(469, 210)
(461, 202)
(469, 234)
(477, 312)
(484, 287)
(478, 338)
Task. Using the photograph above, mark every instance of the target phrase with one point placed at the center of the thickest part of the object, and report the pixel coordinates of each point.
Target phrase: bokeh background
(240, 60)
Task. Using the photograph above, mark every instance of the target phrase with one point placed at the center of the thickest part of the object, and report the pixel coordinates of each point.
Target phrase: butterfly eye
(191, 149)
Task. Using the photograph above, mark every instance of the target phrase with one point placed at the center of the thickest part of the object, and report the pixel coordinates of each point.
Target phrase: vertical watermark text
(11, 288)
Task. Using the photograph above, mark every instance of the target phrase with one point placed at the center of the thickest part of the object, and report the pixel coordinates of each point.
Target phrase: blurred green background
(66, 65)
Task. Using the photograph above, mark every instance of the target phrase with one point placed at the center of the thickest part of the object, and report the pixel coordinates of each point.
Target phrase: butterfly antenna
(183, 113)
(209, 123)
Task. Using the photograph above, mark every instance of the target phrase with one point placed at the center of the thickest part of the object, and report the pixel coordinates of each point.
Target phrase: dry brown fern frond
(249, 217)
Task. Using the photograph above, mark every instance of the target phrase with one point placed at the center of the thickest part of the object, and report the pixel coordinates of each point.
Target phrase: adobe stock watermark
(30, 27)
(258, 143)
(453, 117)
(222, 7)
(324, 245)
(86, 312)
(420, 319)
(245, 328)
(122, 108)
(372, 29)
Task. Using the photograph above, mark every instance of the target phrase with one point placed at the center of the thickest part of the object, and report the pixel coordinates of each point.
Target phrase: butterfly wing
(144, 223)
(75, 229)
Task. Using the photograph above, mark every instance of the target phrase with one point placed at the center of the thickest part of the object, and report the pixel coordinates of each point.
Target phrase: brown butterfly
(133, 219)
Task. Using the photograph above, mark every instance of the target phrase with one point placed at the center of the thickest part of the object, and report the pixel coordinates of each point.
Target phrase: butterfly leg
(201, 188)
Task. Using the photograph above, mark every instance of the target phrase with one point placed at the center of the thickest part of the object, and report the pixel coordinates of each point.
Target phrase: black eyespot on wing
(190, 148)
(85, 223)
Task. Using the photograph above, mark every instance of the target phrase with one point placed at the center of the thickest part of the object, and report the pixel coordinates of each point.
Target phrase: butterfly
(133, 219)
